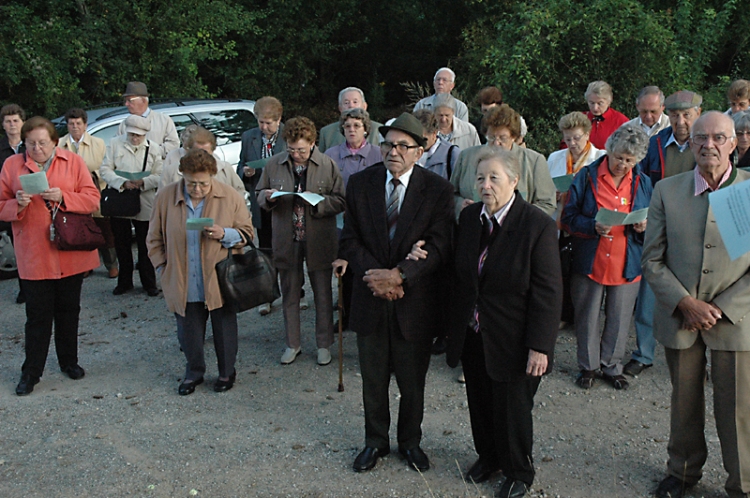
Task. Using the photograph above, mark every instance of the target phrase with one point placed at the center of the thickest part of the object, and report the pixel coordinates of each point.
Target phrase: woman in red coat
(51, 278)
(604, 119)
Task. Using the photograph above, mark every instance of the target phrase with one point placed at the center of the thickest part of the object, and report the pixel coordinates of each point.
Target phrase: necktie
(392, 208)
(484, 243)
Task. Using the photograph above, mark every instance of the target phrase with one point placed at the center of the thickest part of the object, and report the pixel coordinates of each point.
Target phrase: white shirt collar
(673, 139)
(501, 213)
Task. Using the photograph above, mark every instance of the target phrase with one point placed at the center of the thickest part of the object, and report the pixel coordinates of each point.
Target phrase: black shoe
(26, 385)
(635, 367)
(619, 382)
(152, 291)
(671, 487)
(512, 488)
(221, 386)
(75, 372)
(439, 346)
(367, 459)
(586, 379)
(188, 387)
(481, 471)
(20, 299)
(416, 458)
(122, 289)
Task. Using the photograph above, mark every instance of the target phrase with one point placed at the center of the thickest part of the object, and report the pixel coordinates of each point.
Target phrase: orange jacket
(38, 258)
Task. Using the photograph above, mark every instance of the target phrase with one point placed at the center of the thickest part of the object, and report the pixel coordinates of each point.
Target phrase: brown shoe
(114, 272)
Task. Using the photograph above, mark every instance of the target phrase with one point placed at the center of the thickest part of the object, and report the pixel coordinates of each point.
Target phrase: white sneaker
(324, 356)
(303, 303)
(264, 309)
(290, 355)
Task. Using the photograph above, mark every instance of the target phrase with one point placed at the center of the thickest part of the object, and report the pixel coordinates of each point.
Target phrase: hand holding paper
(34, 183)
(613, 218)
(199, 223)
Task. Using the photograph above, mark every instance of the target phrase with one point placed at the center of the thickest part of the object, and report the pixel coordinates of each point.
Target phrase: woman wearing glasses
(740, 156)
(302, 231)
(51, 278)
(186, 261)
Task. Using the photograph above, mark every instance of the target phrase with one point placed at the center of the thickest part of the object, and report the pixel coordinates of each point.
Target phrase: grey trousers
(730, 374)
(603, 349)
(291, 285)
(191, 332)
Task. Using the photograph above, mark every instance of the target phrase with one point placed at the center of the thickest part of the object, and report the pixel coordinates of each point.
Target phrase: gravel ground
(286, 430)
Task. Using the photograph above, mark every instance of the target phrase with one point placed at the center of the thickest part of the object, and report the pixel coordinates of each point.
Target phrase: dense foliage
(542, 53)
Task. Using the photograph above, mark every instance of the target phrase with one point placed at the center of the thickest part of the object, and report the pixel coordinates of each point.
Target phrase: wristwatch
(402, 275)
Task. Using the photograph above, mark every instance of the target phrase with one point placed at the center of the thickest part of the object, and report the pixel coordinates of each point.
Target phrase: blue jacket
(653, 164)
(578, 219)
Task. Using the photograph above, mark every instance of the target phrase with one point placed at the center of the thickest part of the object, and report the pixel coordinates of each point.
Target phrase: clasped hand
(697, 314)
(385, 284)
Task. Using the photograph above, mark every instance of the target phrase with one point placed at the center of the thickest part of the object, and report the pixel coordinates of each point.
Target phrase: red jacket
(602, 129)
(38, 258)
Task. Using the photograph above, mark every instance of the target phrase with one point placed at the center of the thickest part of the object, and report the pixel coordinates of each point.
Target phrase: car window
(228, 125)
(181, 121)
(107, 133)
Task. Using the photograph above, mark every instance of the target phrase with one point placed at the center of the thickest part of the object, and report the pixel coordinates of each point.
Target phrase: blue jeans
(644, 324)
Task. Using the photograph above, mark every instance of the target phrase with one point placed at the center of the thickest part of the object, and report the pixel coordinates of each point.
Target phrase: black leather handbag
(119, 204)
(247, 279)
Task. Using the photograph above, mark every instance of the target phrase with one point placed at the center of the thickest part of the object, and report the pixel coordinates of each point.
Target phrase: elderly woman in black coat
(505, 313)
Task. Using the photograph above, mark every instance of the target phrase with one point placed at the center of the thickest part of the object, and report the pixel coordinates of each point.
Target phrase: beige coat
(124, 157)
(324, 178)
(167, 240)
(535, 184)
(92, 150)
(684, 255)
(226, 174)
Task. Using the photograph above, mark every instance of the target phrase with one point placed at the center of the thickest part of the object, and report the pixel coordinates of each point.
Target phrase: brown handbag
(75, 232)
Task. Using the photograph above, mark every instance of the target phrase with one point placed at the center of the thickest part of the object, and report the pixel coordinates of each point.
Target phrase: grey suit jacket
(331, 136)
(684, 255)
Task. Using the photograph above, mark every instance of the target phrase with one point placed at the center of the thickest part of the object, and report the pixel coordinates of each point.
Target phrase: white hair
(448, 70)
(351, 89)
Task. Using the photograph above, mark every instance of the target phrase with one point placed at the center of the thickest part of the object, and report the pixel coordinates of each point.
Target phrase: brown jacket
(323, 178)
(167, 240)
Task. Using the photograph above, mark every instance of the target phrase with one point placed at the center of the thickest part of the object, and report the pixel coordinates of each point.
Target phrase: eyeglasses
(743, 133)
(573, 139)
(504, 139)
(353, 126)
(402, 149)
(131, 100)
(719, 139)
(443, 80)
(41, 145)
(299, 152)
(197, 184)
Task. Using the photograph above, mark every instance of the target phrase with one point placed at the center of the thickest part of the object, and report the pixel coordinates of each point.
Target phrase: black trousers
(51, 301)
(500, 414)
(121, 228)
(191, 333)
(380, 352)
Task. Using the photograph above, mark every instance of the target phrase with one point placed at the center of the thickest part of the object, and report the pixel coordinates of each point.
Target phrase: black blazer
(425, 214)
(519, 294)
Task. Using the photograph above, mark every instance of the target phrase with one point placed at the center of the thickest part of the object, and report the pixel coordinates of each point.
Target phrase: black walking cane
(341, 331)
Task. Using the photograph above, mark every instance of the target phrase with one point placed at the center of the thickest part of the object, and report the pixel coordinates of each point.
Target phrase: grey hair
(187, 132)
(351, 89)
(510, 163)
(600, 88)
(741, 121)
(628, 139)
(444, 100)
(650, 90)
(356, 113)
(448, 70)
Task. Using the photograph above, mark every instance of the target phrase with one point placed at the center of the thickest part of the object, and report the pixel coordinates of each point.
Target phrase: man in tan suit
(702, 299)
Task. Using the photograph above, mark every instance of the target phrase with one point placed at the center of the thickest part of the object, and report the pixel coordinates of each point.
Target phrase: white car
(226, 118)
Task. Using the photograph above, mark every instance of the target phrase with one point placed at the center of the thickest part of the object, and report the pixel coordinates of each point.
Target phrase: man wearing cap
(389, 207)
(702, 302)
(444, 82)
(650, 106)
(349, 98)
(668, 154)
(163, 132)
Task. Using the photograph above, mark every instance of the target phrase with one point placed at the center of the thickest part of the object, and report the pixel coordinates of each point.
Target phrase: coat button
(708, 246)
(705, 272)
